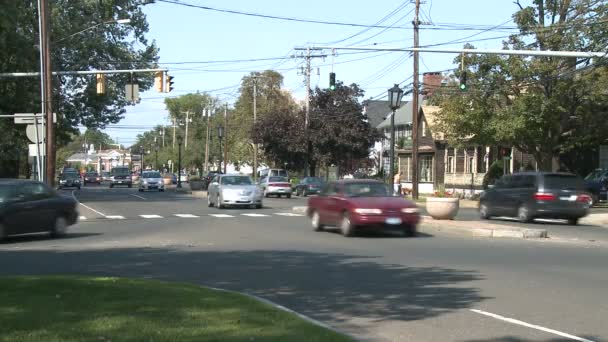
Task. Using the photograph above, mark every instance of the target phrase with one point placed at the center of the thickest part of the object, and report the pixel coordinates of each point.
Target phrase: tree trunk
(312, 168)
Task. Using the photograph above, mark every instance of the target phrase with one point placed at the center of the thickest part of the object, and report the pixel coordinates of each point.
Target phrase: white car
(151, 180)
(276, 185)
(234, 190)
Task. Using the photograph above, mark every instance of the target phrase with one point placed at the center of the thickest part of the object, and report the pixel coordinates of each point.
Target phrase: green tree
(545, 106)
(107, 46)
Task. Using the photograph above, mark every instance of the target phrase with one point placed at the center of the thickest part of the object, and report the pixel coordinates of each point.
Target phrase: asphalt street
(435, 287)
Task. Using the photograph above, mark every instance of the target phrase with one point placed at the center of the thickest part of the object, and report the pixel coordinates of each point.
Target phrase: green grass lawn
(74, 308)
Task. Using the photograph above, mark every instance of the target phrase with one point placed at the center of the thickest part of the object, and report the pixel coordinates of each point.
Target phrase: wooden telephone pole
(415, 111)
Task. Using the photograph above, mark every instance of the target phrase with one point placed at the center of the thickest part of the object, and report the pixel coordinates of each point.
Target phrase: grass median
(74, 308)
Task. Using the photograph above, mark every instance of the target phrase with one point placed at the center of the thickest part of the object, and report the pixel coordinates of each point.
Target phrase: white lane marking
(255, 215)
(150, 216)
(186, 215)
(533, 326)
(134, 195)
(86, 206)
(115, 217)
(289, 214)
(82, 218)
(221, 215)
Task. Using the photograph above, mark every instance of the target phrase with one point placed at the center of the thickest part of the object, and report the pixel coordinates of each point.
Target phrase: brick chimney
(430, 82)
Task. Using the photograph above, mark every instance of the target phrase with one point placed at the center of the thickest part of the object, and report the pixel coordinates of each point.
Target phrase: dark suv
(596, 183)
(121, 176)
(531, 195)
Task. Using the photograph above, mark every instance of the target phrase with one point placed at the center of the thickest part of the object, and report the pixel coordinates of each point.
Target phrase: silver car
(151, 180)
(234, 190)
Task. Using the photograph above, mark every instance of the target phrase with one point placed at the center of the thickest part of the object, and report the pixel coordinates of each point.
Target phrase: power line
(275, 17)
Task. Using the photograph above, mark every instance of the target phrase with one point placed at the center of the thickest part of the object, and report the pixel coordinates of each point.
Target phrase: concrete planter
(442, 208)
(197, 185)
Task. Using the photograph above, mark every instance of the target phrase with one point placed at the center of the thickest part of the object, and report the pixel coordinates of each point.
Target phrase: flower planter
(442, 208)
(197, 184)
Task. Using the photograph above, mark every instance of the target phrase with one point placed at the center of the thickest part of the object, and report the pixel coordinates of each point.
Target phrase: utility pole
(187, 121)
(255, 118)
(415, 112)
(226, 137)
(173, 121)
(45, 33)
(207, 137)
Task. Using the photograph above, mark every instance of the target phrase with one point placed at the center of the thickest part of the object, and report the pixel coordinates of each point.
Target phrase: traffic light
(168, 83)
(463, 80)
(158, 82)
(101, 83)
(332, 81)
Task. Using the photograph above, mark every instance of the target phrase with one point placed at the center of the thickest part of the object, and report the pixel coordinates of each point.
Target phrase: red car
(355, 204)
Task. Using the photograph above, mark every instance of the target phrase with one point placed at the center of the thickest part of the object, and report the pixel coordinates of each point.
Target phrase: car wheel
(523, 214)
(218, 203)
(409, 230)
(298, 192)
(209, 202)
(258, 206)
(141, 190)
(484, 212)
(346, 226)
(288, 196)
(594, 200)
(60, 228)
(573, 221)
(266, 194)
(315, 220)
(304, 193)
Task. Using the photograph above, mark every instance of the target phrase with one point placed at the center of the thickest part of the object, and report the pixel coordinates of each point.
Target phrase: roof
(376, 112)
(430, 114)
(403, 115)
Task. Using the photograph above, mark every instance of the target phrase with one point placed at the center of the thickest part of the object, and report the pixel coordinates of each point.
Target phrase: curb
(490, 231)
(288, 310)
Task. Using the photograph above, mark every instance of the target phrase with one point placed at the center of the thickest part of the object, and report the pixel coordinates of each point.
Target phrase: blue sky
(186, 34)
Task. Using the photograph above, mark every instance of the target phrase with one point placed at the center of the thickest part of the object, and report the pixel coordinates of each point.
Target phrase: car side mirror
(491, 186)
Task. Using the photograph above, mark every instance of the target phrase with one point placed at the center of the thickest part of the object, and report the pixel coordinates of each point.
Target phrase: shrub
(496, 171)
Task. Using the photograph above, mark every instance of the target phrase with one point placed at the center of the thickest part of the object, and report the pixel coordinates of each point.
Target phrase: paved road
(437, 287)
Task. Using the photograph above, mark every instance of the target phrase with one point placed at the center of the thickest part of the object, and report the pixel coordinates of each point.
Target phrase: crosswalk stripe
(115, 217)
(186, 215)
(150, 216)
(221, 215)
(82, 218)
(255, 215)
(289, 214)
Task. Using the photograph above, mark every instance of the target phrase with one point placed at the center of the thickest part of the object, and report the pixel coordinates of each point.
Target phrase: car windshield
(366, 190)
(569, 182)
(121, 172)
(6, 192)
(277, 179)
(71, 175)
(314, 180)
(151, 175)
(595, 175)
(236, 180)
(105, 173)
(92, 174)
(278, 173)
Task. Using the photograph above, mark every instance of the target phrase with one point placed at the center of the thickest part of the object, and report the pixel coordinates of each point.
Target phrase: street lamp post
(179, 162)
(220, 135)
(394, 98)
(156, 157)
(141, 152)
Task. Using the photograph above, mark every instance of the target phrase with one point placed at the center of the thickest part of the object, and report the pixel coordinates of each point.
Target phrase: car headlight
(365, 211)
(410, 210)
(62, 181)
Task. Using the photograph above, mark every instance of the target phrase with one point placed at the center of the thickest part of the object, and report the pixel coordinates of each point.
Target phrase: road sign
(132, 92)
(33, 151)
(28, 118)
(30, 131)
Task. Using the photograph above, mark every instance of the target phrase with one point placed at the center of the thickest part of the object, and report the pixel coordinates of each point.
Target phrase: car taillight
(273, 184)
(584, 198)
(98, 178)
(541, 196)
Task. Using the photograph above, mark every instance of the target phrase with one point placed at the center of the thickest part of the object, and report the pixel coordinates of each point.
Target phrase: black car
(531, 195)
(92, 177)
(596, 183)
(32, 207)
(70, 180)
(208, 178)
(309, 185)
(121, 175)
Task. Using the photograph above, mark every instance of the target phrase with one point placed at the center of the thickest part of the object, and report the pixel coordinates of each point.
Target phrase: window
(449, 167)
(236, 180)
(332, 189)
(366, 190)
(423, 128)
(35, 191)
(426, 168)
(469, 164)
(406, 168)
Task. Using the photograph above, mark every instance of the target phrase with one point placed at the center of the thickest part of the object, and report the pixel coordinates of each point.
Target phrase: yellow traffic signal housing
(168, 83)
(101, 83)
(158, 82)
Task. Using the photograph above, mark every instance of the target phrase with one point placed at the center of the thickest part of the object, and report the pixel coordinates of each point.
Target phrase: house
(103, 160)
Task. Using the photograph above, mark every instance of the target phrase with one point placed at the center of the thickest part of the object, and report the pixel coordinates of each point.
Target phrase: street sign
(30, 131)
(28, 118)
(132, 92)
(33, 151)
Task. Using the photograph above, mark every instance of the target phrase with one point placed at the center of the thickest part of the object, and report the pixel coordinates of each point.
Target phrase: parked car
(233, 190)
(70, 180)
(531, 195)
(151, 180)
(92, 177)
(32, 207)
(106, 176)
(276, 185)
(184, 177)
(309, 185)
(121, 176)
(208, 178)
(596, 183)
(357, 204)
